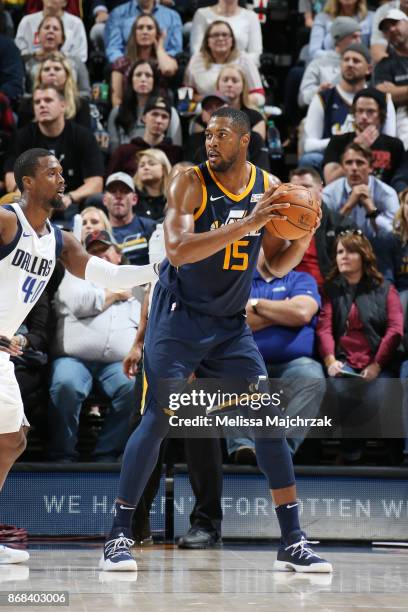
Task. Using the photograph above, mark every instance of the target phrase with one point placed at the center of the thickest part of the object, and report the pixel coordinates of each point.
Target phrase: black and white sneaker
(117, 556)
(297, 555)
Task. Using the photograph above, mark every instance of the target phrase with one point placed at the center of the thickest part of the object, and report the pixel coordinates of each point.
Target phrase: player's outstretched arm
(102, 273)
(184, 199)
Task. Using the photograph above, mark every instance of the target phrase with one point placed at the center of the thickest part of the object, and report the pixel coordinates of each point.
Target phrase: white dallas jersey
(26, 266)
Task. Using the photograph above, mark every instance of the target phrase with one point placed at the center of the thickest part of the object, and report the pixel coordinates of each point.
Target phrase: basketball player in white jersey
(29, 248)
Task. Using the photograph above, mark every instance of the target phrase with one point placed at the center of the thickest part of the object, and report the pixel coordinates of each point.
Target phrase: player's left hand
(12, 347)
(305, 240)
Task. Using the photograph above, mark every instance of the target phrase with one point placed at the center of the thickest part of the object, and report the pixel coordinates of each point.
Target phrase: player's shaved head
(27, 165)
(238, 118)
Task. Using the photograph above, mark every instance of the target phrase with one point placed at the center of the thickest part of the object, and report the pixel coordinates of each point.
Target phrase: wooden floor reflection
(234, 578)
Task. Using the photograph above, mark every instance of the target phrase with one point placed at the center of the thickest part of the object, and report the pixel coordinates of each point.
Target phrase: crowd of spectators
(121, 93)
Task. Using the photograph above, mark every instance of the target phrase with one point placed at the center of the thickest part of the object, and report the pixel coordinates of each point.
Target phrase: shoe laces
(118, 546)
(301, 548)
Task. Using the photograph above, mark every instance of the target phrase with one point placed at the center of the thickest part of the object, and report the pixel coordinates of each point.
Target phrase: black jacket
(371, 301)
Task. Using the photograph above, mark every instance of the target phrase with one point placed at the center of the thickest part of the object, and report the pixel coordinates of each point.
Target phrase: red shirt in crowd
(353, 344)
(310, 264)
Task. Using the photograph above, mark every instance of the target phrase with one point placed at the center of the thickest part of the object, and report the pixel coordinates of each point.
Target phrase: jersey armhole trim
(6, 249)
(203, 204)
(59, 241)
(266, 179)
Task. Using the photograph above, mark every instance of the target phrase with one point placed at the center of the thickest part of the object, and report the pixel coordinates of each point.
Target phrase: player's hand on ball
(265, 209)
(12, 347)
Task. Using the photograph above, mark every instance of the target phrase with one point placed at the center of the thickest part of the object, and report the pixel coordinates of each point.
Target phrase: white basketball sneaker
(12, 555)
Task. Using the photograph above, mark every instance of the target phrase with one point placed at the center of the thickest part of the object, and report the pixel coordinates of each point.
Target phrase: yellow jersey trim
(266, 180)
(144, 391)
(233, 196)
(203, 204)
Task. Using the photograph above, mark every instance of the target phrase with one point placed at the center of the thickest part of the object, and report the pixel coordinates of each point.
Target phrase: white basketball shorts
(12, 415)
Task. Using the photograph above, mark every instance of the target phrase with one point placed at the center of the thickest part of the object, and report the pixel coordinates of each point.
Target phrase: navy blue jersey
(219, 285)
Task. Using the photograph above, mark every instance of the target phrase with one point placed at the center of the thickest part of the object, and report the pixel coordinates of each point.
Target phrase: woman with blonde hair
(51, 37)
(232, 85)
(94, 219)
(151, 180)
(218, 49)
(320, 36)
(145, 42)
(56, 70)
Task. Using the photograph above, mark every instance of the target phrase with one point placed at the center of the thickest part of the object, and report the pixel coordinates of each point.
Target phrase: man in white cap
(324, 71)
(391, 73)
(131, 231)
(378, 41)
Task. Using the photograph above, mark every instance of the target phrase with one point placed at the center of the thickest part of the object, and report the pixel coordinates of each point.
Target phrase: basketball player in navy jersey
(213, 233)
(29, 247)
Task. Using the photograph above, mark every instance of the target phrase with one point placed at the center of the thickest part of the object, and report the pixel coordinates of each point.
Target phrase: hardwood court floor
(234, 578)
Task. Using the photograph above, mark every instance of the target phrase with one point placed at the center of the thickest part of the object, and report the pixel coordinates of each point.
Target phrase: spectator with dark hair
(72, 144)
(317, 258)
(245, 24)
(126, 120)
(359, 329)
(131, 230)
(217, 49)
(156, 117)
(51, 38)
(369, 110)
(369, 202)
(75, 44)
(121, 19)
(146, 42)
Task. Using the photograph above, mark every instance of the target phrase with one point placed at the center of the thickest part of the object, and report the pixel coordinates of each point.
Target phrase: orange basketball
(301, 215)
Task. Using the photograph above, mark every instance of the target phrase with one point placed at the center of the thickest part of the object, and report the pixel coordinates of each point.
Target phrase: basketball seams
(298, 222)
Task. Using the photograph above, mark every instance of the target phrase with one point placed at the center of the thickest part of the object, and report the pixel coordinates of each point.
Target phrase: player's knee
(21, 444)
(12, 445)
